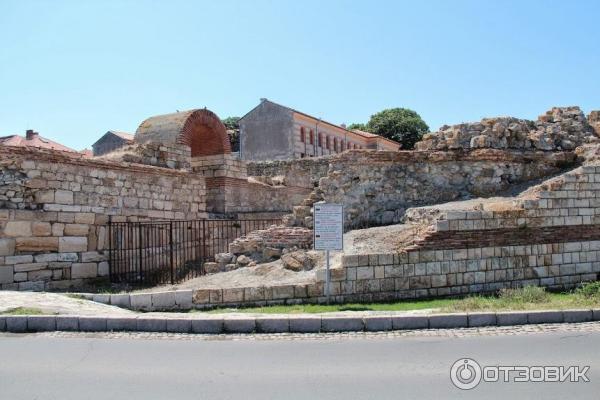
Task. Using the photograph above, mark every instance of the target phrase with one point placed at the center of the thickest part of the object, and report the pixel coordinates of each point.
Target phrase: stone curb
(288, 324)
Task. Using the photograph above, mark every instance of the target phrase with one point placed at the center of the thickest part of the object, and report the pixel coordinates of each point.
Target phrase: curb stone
(41, 323)
(16, 323)
(67, 323)
(284, 324)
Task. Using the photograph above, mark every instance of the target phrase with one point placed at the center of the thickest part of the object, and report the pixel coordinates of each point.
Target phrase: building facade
(271, 131)
(111, 141)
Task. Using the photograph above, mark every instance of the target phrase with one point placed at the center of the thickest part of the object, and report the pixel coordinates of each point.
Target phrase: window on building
(355, 146)
(335, 144)
(349, 145)
(312, 137)
(320, 140)
(302, 155)
(327, 146)
(302, 135)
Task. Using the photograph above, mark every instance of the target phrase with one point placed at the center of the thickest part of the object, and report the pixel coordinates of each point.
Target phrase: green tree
(400, 124)
(359, 126)
(231, 122)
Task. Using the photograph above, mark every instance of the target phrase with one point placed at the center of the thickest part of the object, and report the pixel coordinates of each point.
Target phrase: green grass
(323, 308)
(527, 298)
(24, 311)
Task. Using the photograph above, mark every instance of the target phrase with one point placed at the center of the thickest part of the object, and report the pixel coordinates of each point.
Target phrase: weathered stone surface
(121, 323)
(147, 324)
(511, 318)
(341, 324)
(18, 229)
(7, 247)
(16, 323)
(41, 323)
(72, 244)
(76, 230)
(378, 323)
(92, 324)
(305, 324)
(208, 326)
(410, 322)
(84, 270)
(179, 325)
(272, 324)
(298, 261)
(41, 229)
(37, 244)
(67, 323)
(544, 317)
(482, 319)
(6, 274)
(239, 325)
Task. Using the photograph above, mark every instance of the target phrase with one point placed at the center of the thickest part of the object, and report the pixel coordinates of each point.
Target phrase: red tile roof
(34, 140)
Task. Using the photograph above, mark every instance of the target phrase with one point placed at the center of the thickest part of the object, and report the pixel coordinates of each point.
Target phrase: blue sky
(74, 69)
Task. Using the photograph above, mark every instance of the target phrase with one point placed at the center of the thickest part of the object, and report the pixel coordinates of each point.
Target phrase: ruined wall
(304, 172)
(231, 192)
(54, 208)
(376, 188)
(561, 128)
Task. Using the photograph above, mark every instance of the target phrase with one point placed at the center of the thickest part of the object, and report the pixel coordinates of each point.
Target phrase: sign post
(328, 233)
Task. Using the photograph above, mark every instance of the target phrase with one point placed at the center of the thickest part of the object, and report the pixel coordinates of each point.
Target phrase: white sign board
(328, 226)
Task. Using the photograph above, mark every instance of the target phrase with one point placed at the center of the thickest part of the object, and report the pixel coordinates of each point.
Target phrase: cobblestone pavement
(583, 328)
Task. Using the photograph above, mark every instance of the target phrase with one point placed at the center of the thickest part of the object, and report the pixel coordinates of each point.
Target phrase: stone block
(141, 301)
(76, 230)
(201, 296)
(378, 323)
(163, 300)
(482, 319)
(63, 197)
(233, 295)
(72, 244)
(34, 244)
(101, 298)
(183, 299)
(92, 324)
(16, 323)
(120, 300)
(128, 324)
(208, 326)
(239, 324)
(103, 268)
(41, 323)
(18, 229)
(573, 316)
(283, 292)
(148, 324)
(2, 323)
(84, 270)
(179, 325)
(273, 324)
(544, 317)
(30, 267)
(305, 324)
(402, 322)
(511, 318)
(7, 247)
(41, 229)
(448, 321)
(7, 274)
(67, 323)
(341, 324)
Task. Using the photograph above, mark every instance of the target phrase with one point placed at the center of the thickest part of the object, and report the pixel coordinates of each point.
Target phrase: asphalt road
(44, 367)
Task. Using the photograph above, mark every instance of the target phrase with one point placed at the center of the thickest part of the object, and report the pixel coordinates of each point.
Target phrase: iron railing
(161, 252)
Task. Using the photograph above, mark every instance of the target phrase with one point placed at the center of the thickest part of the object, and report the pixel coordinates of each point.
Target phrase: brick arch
(201, 130)
(206, 135)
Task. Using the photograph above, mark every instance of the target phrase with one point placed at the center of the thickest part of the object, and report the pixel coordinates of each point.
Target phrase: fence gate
(161, 252)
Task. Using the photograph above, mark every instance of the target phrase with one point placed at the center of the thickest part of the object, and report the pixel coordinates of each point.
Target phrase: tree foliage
(231, 122)
(360, 127)
(403, 125)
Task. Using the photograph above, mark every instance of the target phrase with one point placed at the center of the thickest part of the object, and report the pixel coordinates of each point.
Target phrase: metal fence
(160, 252)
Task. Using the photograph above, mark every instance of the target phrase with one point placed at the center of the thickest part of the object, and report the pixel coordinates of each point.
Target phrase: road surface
(79, 366)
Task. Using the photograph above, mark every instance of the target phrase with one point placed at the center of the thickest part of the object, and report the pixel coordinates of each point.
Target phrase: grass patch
(24, 311)
(527, 298)
(324, 308)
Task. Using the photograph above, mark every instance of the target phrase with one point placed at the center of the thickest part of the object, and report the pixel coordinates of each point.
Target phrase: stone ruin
(561, 128)
(54, 207)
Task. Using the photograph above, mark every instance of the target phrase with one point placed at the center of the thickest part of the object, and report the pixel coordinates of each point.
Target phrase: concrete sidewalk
(281, 323)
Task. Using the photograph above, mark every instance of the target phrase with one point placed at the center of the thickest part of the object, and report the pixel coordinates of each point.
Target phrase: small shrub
(527, 294)
(589, 289)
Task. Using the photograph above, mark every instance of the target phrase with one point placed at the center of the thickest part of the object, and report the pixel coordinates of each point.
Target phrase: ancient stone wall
(304, 172)
(54, 208)
(561, 128)
(376, 188)
(232, 192)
